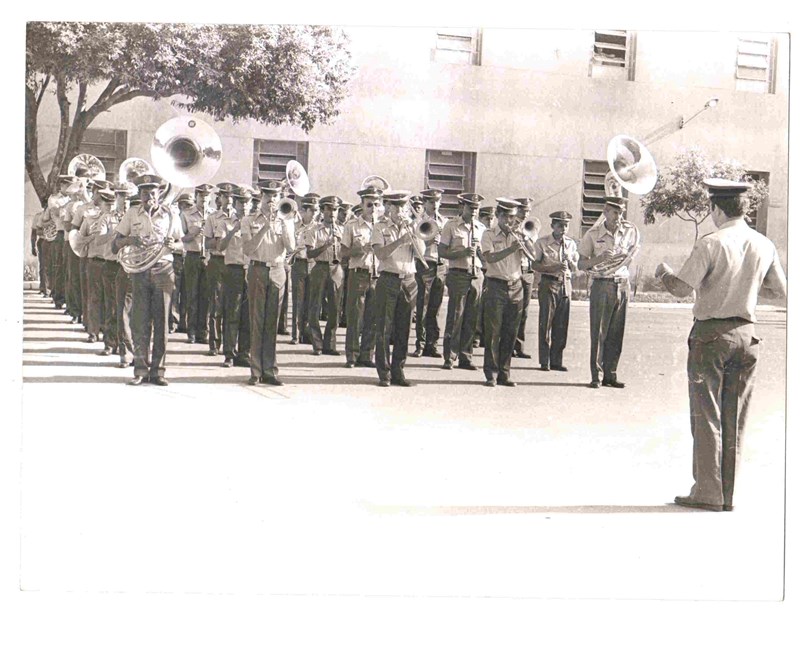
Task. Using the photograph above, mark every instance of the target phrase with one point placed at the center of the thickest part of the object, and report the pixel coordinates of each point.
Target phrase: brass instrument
(287, 207)
(621, 257)
(530, 228)
(296, 180)
(426, 230)
(377, 182)
(407, 225)
(85, 165)
(185, 152)
(522, 240)
(131, 168)
(49, 230)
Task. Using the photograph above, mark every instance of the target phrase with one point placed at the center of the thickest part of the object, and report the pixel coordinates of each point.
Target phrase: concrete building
(513, 112)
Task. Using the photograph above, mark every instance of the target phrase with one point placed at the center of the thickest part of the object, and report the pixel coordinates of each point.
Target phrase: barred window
(270, 158)
(453, 172)
(108, 145)
(455, 45)
(613, 54)
(594, 174)
(755, 64)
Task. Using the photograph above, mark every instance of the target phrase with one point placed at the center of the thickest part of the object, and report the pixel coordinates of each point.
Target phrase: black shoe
(173, 328)
(190, 340)
(91, 339)
(241, 362)
(137, 380)
(401, 381)
(448, 365)
(316, 352)
(544, 368)
(365, 364)
(105, 352)
(594, 384)
(271, 380)
(228, 362)
(685, 501)
(202, 340)
(466, 366)
(417, 353)
(331, 352)
(476, 343)
(350, 364)
(212, 351)
(521, 355)
(75, 320)
(613, 383)
(122, 363)
(159, 380)
(253, 380)
(131, 364)
(490, 383)
(283, 332)
(559, 368)
(384, 383)
(433, 353)
(293, 341)
(506, 382)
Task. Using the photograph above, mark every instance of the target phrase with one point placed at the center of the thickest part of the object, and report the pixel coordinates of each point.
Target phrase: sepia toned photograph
(347, 314)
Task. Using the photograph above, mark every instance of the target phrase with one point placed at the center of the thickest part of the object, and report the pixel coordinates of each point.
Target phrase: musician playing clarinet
(610, 238)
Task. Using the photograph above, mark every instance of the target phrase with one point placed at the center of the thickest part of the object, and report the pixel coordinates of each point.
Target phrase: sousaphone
(632, 167)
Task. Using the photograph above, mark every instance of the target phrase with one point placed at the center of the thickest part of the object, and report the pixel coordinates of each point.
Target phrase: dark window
(458, 45)
(594, 192)
(613, 54)
(270, 158)
(110, 146)
(453, 172)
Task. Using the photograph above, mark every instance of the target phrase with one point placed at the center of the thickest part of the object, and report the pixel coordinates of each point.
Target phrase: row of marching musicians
(233, 278)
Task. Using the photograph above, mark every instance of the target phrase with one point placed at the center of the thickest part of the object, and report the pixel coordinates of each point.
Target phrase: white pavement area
(333, 488)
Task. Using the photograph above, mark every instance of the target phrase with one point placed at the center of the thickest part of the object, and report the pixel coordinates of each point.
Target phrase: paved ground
(331, 485)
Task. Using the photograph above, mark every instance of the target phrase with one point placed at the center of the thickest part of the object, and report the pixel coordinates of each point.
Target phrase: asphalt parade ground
(331, 485)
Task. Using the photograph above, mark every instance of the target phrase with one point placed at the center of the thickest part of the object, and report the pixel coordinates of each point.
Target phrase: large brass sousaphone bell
(131, 168)
(632, 167)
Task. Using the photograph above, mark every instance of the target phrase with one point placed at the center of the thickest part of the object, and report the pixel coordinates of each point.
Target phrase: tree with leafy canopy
(274, 74)
(680, 192)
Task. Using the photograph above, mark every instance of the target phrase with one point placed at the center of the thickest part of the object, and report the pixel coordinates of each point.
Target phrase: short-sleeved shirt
(508, 268)
(189, 219)
(431, 247)
(36, 223)
(213, 230)
(358, 229)
(159, 226)
(56, 205)
(73, 212)
(320, 235)
(273, 247)
(548, 250)
(726, 269)
(299, 236)
(598, 239)
(457, 235)
(79, 212)
(233, 253)
(113, 218)
(94, 222)
(401, 261)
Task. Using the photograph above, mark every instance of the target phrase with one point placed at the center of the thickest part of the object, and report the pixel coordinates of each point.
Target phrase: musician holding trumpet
(605, 251)
(150, 224)
(266, 239)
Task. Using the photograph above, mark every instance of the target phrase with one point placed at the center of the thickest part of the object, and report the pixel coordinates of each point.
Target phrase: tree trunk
(32, 166)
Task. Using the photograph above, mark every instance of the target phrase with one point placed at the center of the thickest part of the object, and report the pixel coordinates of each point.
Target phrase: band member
(610, 239)
(527, 278)
(460, 245)
(727, 270)
(177, 314)
(343, 215)
(56, 206)
(123, 288)
(301, 268)
(487, 220)
(212, 231)
(265, 241)
(395, 290)
(150, 223)
(79, 194)
(193, 264)
(324, 246)
(236, 321)
(36, 249)
(97, 231)
(110, 268)
(359, 345)
(502, 250)
(430, 280)
(556, 258)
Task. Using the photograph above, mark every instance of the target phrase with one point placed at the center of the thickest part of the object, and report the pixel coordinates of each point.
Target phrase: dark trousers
(359, 340)
(84, 284)
(343, 310)
(94, 316)
(72, 287)
(463, 305)
(284, 316)
(394, 298)
(47, 255)
(300, 295)
(430, 293)
(152, 295)
(109, 325)
(214, 273)
(58, 268)
(236, 330)
(123, 289)
(721, 370)
(608, 305)
(501, 315)
(554, 301)
(265, 288)
(527, 291)
(177, 315)
(195, 295)
(40, 257)
(325, 281)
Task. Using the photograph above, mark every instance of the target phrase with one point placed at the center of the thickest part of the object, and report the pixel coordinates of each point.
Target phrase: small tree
(680, 192)
(273, 74)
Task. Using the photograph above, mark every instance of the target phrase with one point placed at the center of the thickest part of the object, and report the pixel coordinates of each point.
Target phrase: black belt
(616, 280)
(328, 262)
(360, 270)
(256, 262)
(505, 282)
(236, 265)
(731, 319)
(552, 278)
(194, 253)
(461, 270)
